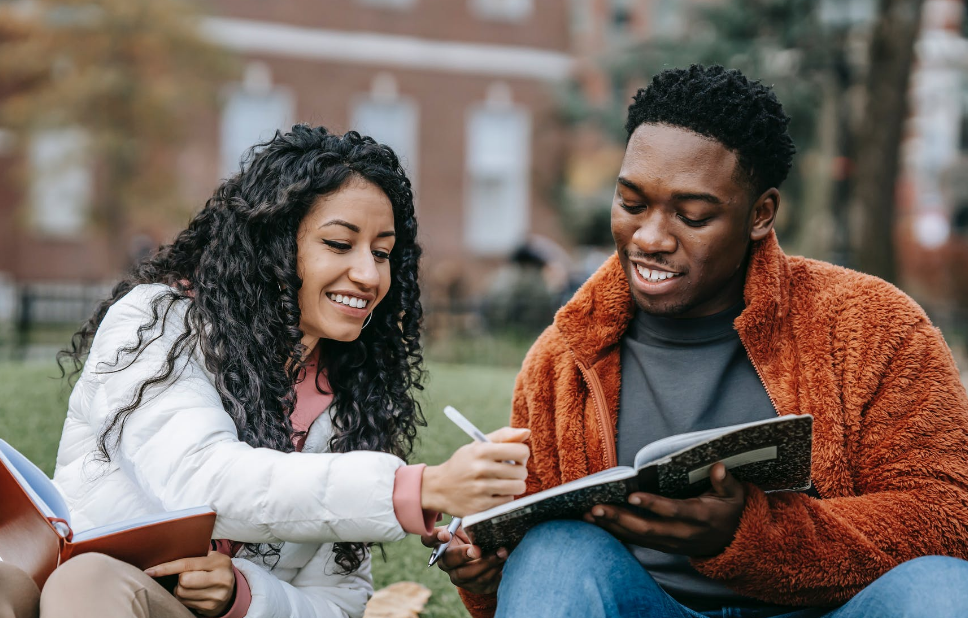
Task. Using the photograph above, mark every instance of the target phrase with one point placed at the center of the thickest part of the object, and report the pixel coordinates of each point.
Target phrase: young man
(701, 321)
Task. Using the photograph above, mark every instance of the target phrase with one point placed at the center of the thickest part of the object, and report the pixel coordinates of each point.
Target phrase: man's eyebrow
(625, 182)
(679, 196)
(689, 196)
(355, 228)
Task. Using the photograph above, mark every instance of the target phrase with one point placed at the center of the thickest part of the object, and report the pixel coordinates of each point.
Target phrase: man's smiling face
(683, 220)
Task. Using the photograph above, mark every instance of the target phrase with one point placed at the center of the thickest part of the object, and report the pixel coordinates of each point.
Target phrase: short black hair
(744, 116)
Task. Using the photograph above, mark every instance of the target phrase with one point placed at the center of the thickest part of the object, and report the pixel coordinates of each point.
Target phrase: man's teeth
(655, 275)
(349, 301)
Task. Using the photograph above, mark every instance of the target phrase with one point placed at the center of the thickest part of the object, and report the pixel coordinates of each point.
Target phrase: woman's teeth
(655, 275)
(349, 301)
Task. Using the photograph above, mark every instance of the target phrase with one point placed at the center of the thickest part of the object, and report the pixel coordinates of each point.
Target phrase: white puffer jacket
(180, 449)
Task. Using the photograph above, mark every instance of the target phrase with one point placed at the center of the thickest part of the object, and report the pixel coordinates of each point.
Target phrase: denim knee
(576, 547)
(928, 586)
(574, 569)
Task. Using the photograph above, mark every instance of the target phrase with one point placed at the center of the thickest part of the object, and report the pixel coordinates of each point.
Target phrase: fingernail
(588, 518)
(598, 511)
(635, 500)
(150, 572)
(502, 553)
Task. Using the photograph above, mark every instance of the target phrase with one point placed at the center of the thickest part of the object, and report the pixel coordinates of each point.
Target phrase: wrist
(431, 497)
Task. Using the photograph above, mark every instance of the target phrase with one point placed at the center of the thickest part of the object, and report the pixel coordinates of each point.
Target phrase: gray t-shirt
(681, 375)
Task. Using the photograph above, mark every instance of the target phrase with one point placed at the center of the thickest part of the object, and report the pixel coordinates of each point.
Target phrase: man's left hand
(700, 526)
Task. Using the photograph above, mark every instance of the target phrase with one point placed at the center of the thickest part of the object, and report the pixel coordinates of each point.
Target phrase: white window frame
(400, 5)
(61, 182)
(516, 11)
(497, 229)
(408, 153)
(233, 149)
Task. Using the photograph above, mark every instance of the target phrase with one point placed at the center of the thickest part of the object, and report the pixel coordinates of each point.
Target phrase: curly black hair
(724, 105)
(235, 267)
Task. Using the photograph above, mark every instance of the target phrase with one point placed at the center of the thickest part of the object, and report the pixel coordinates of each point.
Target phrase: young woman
(264, 364)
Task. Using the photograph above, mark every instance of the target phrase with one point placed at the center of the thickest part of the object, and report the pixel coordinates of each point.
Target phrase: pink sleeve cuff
(406, 501)
(243, 597)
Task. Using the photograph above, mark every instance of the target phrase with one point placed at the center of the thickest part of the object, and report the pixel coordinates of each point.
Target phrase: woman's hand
(477, 477)
(205, 585)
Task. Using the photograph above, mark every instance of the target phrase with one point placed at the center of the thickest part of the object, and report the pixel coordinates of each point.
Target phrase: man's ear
(763, 215)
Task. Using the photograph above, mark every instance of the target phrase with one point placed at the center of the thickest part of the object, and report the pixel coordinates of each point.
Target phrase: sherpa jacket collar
(593, 322)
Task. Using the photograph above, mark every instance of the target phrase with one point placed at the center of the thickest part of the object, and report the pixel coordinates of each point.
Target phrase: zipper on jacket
(601, 411)
(776, 408)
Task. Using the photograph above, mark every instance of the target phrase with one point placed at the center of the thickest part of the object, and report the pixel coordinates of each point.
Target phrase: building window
(846, 13)
(389, 119)
(497, 211)
(963, 141)
(61, 182)
(620, 22)
(503, 10)
(390, 4)
(668, 19)
(582, 17)
(252, 114)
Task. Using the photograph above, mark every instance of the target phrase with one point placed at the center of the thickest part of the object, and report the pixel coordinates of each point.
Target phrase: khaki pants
(87, 586)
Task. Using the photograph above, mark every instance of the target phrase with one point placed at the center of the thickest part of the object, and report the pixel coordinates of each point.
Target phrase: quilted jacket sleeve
(182, 448)
(317, 591)
(910, 487)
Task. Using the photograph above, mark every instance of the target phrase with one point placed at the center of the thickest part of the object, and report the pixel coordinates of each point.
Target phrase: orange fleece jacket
(890, 454)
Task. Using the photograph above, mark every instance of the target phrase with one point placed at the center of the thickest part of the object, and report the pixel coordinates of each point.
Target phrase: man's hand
(701, 526)
(205, 585)
(464, 562)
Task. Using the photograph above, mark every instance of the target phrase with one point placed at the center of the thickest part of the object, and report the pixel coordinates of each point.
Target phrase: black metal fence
(41, 317)
(38, 319)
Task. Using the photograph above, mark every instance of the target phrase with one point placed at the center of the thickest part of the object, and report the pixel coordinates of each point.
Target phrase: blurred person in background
(264, 364)
(698, 321)
(519, 299)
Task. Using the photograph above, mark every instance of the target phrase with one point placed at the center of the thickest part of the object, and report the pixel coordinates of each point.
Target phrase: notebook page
(655, 451)
(39, 488)
(137, 522)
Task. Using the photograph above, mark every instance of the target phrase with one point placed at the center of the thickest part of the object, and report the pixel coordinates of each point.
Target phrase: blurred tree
(129, 74)
(815, 54)
(879, 139)
(781, 42)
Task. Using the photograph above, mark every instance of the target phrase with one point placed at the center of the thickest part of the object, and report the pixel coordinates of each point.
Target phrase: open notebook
(773, 454)
(36, 533)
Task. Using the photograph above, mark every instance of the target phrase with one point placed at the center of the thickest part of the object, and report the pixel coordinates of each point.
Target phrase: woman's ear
(764, 214)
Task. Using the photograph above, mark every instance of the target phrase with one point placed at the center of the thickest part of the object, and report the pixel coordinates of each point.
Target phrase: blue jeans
(571, 568)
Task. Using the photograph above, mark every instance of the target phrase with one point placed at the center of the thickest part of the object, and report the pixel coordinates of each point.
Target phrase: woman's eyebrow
(355, 228)
(346, 224)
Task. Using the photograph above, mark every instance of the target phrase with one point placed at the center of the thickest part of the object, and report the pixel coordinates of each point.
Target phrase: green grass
(33, 404)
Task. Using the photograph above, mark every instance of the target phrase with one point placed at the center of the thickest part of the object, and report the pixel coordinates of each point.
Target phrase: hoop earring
(366, 321)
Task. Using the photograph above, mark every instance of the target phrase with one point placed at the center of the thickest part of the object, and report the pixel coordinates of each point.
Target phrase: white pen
(479, 436)
(439, 550)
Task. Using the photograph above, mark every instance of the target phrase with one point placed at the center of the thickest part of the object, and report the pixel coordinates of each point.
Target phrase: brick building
(463, 90)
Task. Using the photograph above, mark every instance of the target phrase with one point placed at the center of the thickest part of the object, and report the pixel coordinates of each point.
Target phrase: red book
(36, 534)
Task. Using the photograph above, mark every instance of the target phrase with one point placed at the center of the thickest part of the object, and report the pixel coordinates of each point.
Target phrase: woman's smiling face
(343, 258)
